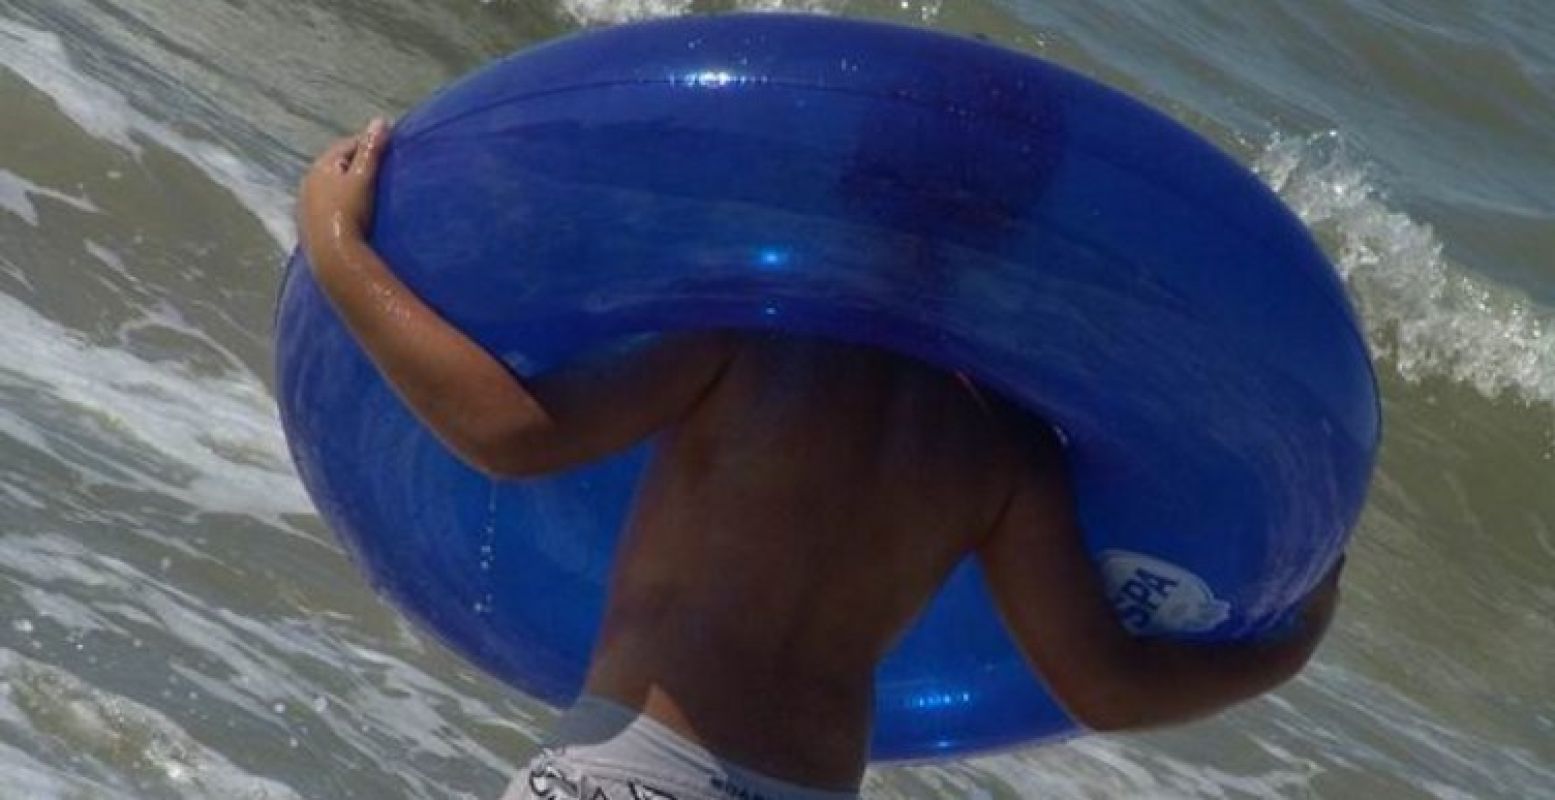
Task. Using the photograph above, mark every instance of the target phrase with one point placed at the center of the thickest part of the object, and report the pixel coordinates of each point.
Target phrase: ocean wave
(305, 682)
(1424, 315)
(605, 12)
(42, 59)
(212, 441)
(118, 748)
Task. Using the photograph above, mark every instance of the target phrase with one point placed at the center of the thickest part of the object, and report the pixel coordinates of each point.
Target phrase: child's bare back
(790, 526)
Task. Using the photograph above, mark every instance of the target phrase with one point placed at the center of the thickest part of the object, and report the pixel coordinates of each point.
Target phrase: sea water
(175, 622)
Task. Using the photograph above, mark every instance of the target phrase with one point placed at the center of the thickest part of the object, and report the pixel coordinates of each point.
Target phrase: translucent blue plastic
(962, 203)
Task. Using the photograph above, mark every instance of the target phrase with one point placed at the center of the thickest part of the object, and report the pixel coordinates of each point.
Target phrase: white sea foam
(213, 440)
(16, 194)
(597, 12)
(376, 703)
(610, 12)
(1426, 315)
(41, 59)
(797, 6)
(29, 776)
(145, 750)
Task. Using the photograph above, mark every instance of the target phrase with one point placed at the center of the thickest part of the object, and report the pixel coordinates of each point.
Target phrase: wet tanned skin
(786, 533)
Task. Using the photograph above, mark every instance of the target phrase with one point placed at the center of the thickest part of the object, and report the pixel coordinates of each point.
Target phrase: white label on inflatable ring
(1155, 596)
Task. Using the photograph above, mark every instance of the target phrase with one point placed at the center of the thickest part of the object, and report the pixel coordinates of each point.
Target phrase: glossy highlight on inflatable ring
(957, 202)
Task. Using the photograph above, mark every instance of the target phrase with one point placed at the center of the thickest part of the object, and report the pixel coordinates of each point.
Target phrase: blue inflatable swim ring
(964, 204)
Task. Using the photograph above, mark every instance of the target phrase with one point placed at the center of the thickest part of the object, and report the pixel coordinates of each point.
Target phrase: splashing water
(1423, 313)
(599, 12)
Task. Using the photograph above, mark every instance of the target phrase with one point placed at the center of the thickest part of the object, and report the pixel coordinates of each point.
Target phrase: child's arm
(465, 395)
(1053, 602)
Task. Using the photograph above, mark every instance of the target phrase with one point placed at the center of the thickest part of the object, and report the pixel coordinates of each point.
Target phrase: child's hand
(335, 200)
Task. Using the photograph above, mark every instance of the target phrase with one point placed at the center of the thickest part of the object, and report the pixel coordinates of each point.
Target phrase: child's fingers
(337, 157)
(370, 149)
